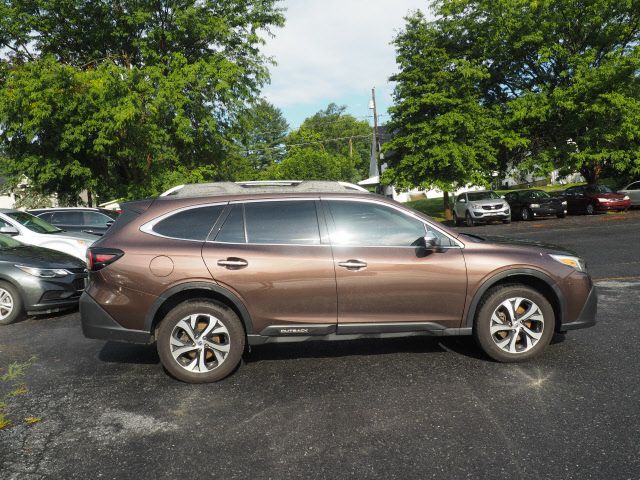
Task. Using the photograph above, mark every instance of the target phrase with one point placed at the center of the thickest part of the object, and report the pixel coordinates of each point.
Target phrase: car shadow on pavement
(114, 352)
(363, 347)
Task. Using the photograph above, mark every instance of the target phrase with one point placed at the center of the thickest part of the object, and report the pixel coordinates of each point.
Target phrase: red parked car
(591, 199)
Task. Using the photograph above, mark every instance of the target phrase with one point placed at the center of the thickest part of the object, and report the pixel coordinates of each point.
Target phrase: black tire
(468, 219)
(561, 215)
(489, 342)
(456, 220)
(591, 209)
(17, 311)
(525, 214)
(232, 339)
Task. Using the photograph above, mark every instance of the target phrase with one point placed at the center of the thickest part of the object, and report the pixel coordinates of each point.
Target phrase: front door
(385, 276)
(270, 255)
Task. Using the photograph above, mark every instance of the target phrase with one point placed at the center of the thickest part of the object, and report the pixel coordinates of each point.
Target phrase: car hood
(611, 196)
(528, 244)
(32, 256)
(494, 201)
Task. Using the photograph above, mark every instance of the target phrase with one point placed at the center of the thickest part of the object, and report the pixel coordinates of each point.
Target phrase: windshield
(536, 194)
(8, 242)
(599, 189)
(33, 223)
(475, 196)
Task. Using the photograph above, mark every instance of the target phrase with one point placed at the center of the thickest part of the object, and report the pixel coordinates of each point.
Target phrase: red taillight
(98, 258)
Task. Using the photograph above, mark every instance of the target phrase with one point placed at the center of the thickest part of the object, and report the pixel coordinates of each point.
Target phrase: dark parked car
(37, 280)
(211, 267)
(591, 199)
(530, 204)
(78, 219)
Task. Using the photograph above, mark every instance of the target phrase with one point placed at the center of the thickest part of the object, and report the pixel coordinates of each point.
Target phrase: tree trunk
(591, 173)
(89, 199)
(446, 206)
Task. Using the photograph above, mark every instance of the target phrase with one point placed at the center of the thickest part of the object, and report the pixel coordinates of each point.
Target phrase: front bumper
(96, 323)
(608, 206)
(488, 215)
(51, 294)
(549, 211)
(587, 317)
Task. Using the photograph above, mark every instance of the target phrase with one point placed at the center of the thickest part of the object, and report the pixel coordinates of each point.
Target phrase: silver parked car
(633, 191)
(480, 207)
(32, 230)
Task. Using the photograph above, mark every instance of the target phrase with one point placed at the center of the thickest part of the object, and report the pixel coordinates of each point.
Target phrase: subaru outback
(212, 268)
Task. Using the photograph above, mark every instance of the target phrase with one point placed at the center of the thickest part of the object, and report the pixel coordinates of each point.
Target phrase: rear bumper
(96, 323)
(587, 317)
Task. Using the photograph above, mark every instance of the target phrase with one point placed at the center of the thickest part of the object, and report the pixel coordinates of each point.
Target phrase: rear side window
(45, 216)
(67, 218)
(192, 224)
(289, 222)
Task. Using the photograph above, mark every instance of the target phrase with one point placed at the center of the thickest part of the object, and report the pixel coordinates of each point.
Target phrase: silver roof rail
(262, 186)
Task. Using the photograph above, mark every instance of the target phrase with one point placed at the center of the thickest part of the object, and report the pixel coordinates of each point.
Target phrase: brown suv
(212, 267)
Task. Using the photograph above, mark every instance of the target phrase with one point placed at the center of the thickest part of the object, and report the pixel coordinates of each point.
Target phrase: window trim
(148, 226)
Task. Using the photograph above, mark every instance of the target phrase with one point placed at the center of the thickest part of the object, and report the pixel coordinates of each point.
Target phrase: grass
(11, 376)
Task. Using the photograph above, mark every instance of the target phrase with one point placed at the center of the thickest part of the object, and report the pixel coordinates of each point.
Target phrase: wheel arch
(204, 290)
(529, 277)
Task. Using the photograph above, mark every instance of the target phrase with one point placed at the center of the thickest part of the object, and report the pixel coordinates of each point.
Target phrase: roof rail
(261, 186)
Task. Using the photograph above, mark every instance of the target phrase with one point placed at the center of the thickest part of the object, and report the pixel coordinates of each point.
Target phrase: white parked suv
(480, 207)
(32, 230)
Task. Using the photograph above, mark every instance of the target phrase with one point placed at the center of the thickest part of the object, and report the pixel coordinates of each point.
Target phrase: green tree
(563, 74)
(443, 134)
(129, 97)
(261, 133)
(354, 136)
(311, 163)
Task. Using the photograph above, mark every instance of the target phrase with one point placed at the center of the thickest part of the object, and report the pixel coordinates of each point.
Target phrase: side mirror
(110, 222)
(9, 230)
(502, 196)
(431, 240)
(462, 200)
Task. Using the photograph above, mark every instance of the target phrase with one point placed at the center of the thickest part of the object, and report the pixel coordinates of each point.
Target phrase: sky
(335, 51)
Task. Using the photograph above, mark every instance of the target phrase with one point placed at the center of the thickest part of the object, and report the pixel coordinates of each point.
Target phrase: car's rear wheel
(591, 209)
(468, 220)
(11, 306)
(200, 341)
(525, 214)
(514, 323)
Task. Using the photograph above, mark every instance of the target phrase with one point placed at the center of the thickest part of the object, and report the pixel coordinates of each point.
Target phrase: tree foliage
(128, 97)
(543, 85)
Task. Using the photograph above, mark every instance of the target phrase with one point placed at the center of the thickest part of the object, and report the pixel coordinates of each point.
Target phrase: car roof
(216, 189)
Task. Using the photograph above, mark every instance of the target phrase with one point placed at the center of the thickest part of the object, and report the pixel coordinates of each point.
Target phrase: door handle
(353, 264)
(233, 263)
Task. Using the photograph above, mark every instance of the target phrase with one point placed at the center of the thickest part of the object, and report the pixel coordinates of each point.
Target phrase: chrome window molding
(148, 226)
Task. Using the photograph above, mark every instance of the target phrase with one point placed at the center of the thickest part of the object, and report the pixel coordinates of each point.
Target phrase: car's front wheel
(514, 323)
(456, 220)
(200, 341)
(469, 220)
(525, 214)
(591, 209)
(11, 307)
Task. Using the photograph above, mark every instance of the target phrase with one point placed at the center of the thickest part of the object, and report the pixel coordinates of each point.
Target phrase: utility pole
(374, 168)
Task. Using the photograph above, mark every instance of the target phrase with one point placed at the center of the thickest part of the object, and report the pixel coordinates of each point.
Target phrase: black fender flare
(232, 298)
(491, 281)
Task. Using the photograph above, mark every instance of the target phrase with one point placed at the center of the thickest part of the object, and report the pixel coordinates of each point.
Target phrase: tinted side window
(96, 219)
(290, 222)
(67, 218)
(233, 229)
(192, 224)
(370, 224)
(46, 216)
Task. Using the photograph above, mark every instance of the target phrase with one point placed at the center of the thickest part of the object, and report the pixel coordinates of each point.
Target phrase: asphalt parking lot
(401, 408)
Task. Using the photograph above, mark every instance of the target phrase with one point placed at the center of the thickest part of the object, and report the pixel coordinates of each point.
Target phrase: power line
(317, 142)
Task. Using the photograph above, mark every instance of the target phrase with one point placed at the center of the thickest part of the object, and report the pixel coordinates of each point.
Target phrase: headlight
(535, 205)
(603, 200)
(571, 261)
(44, 272)
(564, 202)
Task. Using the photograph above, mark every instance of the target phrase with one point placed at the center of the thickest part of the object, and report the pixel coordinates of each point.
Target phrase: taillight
(98, 258)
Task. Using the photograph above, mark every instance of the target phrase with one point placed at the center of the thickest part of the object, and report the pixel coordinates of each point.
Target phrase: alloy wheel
(199, 343)
(517, 325)
(6, 304)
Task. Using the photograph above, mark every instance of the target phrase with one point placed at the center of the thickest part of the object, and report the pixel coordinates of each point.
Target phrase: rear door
(70, 220)
(272, 255)
(386, 281)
